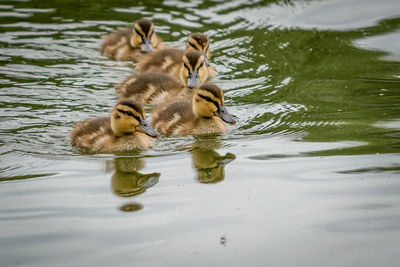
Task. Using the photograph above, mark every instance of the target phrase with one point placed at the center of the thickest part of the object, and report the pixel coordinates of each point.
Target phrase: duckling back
(90, 133)
(153, 88)
(176, 118)
(166, 60)
(116, 46)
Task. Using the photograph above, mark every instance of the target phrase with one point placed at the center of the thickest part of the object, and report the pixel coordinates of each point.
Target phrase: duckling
(205, 114)
(125, 130)
(169, 60)
(129, 44)
(155, 88)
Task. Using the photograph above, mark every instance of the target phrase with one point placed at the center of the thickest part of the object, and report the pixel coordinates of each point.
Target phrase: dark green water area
(309, 175)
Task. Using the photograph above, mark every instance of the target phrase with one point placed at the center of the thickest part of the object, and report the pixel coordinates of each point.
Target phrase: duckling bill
(205, 114)
(125, 130)
(129, 44)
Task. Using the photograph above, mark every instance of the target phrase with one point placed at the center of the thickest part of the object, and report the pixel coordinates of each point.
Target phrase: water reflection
(209, 165)
(128, 182)
(131, 207)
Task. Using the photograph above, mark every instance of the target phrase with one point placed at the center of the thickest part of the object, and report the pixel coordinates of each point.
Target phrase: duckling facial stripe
(193, 45)
(136, 30)
(129, 113)
(201, 65)
(209, 100)
(135, 108)
(141, 36)
(186, 66)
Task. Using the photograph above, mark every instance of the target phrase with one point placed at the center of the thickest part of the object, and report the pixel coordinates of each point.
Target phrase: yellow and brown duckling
(125, 130)
(129, 44)
(155, 88)
(205, 114)
(169, 60)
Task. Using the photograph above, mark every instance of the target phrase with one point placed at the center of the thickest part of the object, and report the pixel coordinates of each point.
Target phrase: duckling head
(127, 117)
(193, 70)
(208, 101)
(143, 35)
(200, 42)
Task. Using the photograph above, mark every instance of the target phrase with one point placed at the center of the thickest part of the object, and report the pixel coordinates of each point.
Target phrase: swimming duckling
(125, 130)
(155, 88)
(129, 44)
(169, 60)
(205, 114)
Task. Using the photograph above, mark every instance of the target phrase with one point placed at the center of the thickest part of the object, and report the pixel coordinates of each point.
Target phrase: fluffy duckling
(155, 88)
(125, 130)
(206, 114)
(169, 60)
(129, 44)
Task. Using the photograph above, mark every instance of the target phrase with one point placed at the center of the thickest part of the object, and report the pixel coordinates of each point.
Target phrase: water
(309, 176)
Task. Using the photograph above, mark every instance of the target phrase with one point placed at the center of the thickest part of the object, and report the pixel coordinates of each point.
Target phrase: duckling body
(205, 114)
(166, 60)
(156, 88)
(169, 60)
(151, 88)
(124, 130)
(129, 44)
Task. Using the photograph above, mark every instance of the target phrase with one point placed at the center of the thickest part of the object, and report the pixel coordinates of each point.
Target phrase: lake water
(309, 176)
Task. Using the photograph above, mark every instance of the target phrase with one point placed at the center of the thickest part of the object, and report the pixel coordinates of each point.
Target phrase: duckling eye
(129, 113)
(201, 65)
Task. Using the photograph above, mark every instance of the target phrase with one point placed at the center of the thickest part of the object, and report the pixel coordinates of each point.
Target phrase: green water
(309, 176)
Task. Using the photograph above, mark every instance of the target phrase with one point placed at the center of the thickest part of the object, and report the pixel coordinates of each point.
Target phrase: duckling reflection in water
(209, 165)
(127, 181)
(129, 44)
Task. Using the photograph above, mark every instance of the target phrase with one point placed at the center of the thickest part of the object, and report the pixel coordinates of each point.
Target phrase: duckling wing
(88, 132)
(173, 119)
(165, 60)
(115, 41)
(151, 88)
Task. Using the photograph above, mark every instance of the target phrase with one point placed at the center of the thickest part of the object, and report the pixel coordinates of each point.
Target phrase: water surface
(309, 176)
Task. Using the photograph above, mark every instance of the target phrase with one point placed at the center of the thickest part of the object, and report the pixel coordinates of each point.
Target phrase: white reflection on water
(321, 15)
(387, 42)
